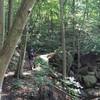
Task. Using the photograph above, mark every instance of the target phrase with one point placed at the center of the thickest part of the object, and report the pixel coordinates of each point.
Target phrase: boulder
(98, 74)
(89, 79)
(83, 70)
(89, 59)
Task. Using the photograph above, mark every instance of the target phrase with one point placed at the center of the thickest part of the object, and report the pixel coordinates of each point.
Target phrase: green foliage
(71, 88)
(74, 95)
(44, 24)
(80, 17)
(41, 76)
(16, 84)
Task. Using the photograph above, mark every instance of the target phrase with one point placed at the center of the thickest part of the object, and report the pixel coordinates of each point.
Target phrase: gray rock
(83, 70)
(92, 68)
(93, 92)
(89, 80)
(98, 74)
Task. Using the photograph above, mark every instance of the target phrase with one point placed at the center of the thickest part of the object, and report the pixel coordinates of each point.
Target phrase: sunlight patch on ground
(12, 73)
(9, 74)
(27, 73)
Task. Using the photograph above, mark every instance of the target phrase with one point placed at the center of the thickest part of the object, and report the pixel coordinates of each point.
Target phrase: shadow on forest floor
(14, 89)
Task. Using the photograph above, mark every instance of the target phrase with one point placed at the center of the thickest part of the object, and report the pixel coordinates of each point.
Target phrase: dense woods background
(67, 31)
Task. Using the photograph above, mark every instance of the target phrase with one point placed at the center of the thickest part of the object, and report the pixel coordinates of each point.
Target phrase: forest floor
(18, 89)
(25, 88)
(22, 89)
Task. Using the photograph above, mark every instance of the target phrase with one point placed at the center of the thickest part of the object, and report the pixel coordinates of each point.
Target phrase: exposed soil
(25, 88)
(14, 89)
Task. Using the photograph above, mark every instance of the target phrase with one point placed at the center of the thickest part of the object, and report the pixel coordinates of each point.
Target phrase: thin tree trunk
(10, 14)
(63, 37)
(2, 23)
(24, 44)
(73, 26)
(19, 70)
(87, 9)
(78, 49)
(13, 36)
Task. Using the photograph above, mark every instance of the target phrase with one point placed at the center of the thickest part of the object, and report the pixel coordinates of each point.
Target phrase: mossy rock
(89, 80)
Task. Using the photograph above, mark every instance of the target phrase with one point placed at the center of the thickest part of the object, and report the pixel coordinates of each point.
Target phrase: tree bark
(14, 35)
(63, 37)
(78, 49)
(19, 70)
(2, 23)
(2, 18)
(73, 26)
(10, 14)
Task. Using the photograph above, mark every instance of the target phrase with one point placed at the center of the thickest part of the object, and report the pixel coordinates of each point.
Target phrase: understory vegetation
(49, 49)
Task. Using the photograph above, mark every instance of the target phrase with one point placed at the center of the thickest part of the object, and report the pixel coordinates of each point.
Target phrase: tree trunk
(73, 26)
(87, 9)
(2, 23)
(19, 70)
(10, 14)
(2, 28)
(14, 35)
(63, 37)
(78, 49)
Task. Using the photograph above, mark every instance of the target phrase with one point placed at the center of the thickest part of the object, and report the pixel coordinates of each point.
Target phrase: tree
(14, 35)
(73, 25)
(63, 36)
(23, 44)
(2, 23)
(10, 13)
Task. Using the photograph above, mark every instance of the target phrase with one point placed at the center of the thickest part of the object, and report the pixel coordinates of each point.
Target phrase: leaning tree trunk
(2, 31)
(13, 36)
(19, 70)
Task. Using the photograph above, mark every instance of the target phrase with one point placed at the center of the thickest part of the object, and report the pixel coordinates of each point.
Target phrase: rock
(98, 74)
(89, 80)
(93, 92)
(92, 68)
(91, 73)
(83, 70)
(98, 85)
(89, 59)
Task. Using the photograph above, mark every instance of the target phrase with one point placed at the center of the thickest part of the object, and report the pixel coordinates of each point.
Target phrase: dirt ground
(24, 88)
(18, 89)
(14, 89)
